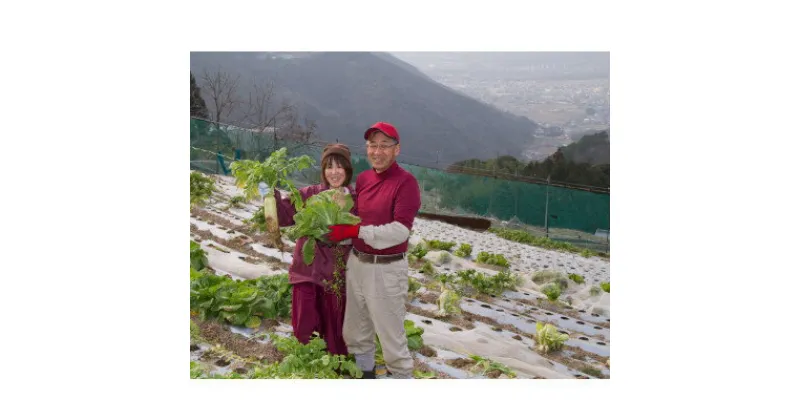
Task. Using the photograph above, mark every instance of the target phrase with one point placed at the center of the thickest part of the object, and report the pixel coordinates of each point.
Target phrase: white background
(95, 205)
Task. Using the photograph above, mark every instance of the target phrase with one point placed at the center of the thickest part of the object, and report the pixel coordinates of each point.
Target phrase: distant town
(566, 99)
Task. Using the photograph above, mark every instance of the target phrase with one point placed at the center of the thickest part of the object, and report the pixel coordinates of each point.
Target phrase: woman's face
(335, 174)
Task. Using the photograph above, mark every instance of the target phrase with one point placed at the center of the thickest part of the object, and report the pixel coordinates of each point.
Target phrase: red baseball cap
(384, 128)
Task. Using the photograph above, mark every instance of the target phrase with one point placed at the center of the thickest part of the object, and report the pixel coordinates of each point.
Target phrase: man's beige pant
(376, 303)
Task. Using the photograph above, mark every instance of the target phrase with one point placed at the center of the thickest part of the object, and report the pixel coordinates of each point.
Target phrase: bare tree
(262, 111)
(221, 89)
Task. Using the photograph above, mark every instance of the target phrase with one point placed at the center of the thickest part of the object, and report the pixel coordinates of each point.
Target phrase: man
(387, 201)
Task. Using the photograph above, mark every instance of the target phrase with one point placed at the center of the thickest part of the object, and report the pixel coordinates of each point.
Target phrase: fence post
(546, 208)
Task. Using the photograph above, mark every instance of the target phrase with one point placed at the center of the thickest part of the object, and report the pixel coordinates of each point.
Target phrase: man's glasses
(381, 147)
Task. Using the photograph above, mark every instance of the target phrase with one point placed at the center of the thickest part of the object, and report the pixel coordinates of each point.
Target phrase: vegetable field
(479, 306)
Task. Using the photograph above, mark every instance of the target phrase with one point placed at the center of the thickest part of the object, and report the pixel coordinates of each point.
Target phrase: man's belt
(377, 259)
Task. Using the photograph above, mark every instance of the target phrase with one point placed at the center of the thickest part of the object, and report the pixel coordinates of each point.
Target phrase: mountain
(594, 149)
(346, 92)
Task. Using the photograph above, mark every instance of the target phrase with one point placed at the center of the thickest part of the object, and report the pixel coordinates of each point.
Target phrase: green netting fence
(573, 215)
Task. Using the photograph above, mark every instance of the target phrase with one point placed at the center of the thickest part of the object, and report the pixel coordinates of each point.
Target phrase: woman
(318, 299)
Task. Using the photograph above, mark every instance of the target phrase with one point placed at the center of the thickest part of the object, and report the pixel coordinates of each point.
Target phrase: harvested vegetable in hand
(274, 172)
(314, 219)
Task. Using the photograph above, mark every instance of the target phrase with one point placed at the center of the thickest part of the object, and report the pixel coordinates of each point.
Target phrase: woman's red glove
(341, 232)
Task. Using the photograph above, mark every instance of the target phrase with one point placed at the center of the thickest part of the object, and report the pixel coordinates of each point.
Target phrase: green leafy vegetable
(419, 251)
(548, 338)
(243, 302)
(448, 302)
(198, 257)
(424, 375)
(490, 285)
(440, 245)
(606, 286)
(200, 189)
(484, 366)
(577, 278)
(309, 361)
(552, 291)
(492, 259)
(274, 171)
(313, 221)
(413, 287)
(413, 334)
(464, 251)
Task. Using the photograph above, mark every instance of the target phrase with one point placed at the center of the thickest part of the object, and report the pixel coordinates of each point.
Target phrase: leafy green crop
(413, 287)
(196, 370)
(492, 259)
(419, 251)
(313, 221)
(200, 189)
(237, 200)
(594, 291)
(424, 375)
(309, 361)
(274, 172)
(239, 302)
(490, 285)
(428, 269)
(548, 338)
(257, 220)
(448, 302)
(524, 237)
(552, 291)
(194, 331)
(440, 245)
(486, 365)
(197, 256)
(444, 258)
(413, 334)
(606, 286)
(577, 278)
(464, 251)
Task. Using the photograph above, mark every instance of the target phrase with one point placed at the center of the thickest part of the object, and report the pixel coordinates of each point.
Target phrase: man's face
(382, 151)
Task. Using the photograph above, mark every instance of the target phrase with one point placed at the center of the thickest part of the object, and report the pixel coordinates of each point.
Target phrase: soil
(452, 319)
(462, 363)
(428, 297)
(238, 344)
(427, 351)
(423, 367)
(238, 246)
(240, 243)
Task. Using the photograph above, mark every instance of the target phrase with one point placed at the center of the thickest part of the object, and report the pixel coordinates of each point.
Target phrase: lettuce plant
(413, 334)
(316, 216)
(606, 286)
(440, 245)
(548, 338)
(197, 256)
(492, 259)
(243, 302)
(577, 278)
(463, 251)
(305, 361)
(552, 291)
(484, 366)
(448, 302)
